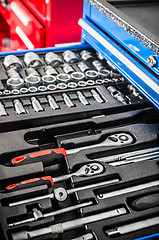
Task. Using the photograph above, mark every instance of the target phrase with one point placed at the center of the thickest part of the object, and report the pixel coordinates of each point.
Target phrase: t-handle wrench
(114, 140)
(86, 170)
(67, 226)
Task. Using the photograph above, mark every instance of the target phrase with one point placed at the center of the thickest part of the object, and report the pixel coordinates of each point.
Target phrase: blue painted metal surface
(128, 74)
(150, 237)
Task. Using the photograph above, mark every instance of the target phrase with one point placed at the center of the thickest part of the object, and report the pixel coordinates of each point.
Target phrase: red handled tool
(48, 157)
(86, 170)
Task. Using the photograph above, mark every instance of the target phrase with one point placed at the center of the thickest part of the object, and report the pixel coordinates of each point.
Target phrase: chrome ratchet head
(119, 139)
(90, 169)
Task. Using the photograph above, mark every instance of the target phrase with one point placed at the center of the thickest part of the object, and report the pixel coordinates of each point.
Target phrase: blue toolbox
(79, 131)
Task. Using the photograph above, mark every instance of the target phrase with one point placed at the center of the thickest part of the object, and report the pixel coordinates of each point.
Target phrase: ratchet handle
(31, 183)
(48, 157)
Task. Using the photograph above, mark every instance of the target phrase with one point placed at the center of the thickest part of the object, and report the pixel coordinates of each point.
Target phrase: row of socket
(32, 59)
(19, 108)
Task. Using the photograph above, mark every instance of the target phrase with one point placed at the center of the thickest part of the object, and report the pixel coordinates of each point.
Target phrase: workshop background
(37, 24)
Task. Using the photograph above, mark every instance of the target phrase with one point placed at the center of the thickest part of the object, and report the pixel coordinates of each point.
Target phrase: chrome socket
(15, 91)
(50, 71)
(99, 81)
(63, 77)
(98, 65)
(52, 102)
(51, 87)
(90, 82)
(42, 88)
(15, 83)
(1, 93)
(12, 62)
(82, 98)
(23, 90)
(82, 84)
(18, 107)
(48, 79)
(91, 74)
(12, 73)
(104, 73)
(53, 59)
(70, 57)
(33, 72)
(96, 96)
(107, 80)
(83, 67)
(32, 80)
(77, 76)
(6, 92)
(61, 86)
(2, 110)
(67, 100)
(32, 89)
(117, 94)
(115, 74)
(72, 85)
(32, 59)
(36, 105)
(67, 69)
(86, 55)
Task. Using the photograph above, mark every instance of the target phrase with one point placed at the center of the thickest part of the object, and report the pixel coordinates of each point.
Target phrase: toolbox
(79, 136)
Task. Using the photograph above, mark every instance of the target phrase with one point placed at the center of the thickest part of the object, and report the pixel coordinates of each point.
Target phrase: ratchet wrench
(114, 140)
(87, 170)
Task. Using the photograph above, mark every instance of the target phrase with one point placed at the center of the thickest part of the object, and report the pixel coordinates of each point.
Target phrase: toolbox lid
(126, 33)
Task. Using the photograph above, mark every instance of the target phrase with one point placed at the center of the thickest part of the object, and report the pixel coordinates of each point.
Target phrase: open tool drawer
(79, 144)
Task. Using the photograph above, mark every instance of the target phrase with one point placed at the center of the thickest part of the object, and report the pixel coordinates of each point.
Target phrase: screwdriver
(48, 157)
(66, 226)
(37, 214)
(87, 170)
(60, 194)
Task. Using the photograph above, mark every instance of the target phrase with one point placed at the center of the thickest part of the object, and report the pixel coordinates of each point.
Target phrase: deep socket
(83, 67)
(96, 96)
(53, 59)
(36, 105)
(70, 57)
(82, 98)
(32, 71)
(86, 55)
(50, 71)
(19, 107)
(12, 73)
(32, 59)
(98, 65)
(2, 110)
(68, 69)
(12, 61)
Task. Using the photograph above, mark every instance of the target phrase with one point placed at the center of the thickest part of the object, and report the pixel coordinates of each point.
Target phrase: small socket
(32, 89)
(48, 79)
(42, 88)
(32, 59)
(33, 72)
(6, 92)
(23, 90)
(86, 55)
(70, 57)
(50, 71)
(12, 73)
(99, 81)
(72, 85)
(61, 86)
(68, 69)
(82, 83)
(32, 81)
(63, 77)
(104, 73)
(83, 67)
(15, 83)
(15, 92)
(77, 76)
(90, 82)
(51, 87)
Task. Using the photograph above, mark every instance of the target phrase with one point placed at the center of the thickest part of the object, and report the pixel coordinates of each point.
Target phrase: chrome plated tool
(36, 104)
(96, 96)
(82, 98)
(37, 214)
(2, 110)
(67, 100)
(88, 236)
(19, 107)
(114, 140)
(52, 102)
(66, 226)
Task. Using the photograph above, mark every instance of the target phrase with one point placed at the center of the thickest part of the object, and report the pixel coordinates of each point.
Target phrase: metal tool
(36, 104)
(117, 94)
(12, 61)
(63, 77)
(66, 226)
(6, 92)
(70, 57)
(77, 76)
(116, 140)
(15, 91)
(82, 98)
(128, 190)
(82, 84)
(134, 91)
(68, 69)
(104, 73)
(96, 96)
(88, 236)
(61, 86)
(60, 194)
(91, 74)
(132, 227)
(67, 100)
(52, 102)
(32, 59)
(72, 85)
(90, 82)
(19, 107)
(53, 59)
(83, 67)
(32, 71)
(2, 110)
(32, 81)
(37, 214)
(130, 157)
(115, 74)
(50, 71)
(12, 73)
(48, 79)
(42, 88)
(51, 87)
(15, 83)
(23, 90)
(86, 55)
(32, 89)
(98, 65)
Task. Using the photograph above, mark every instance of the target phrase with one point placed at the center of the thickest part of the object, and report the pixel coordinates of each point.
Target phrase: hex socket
(48, 79)
(52, 59)
(15, 83)
(63, 77)
(91, 74)
(12, 62)
(32, 59)
(32, 80)
(77, 76)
